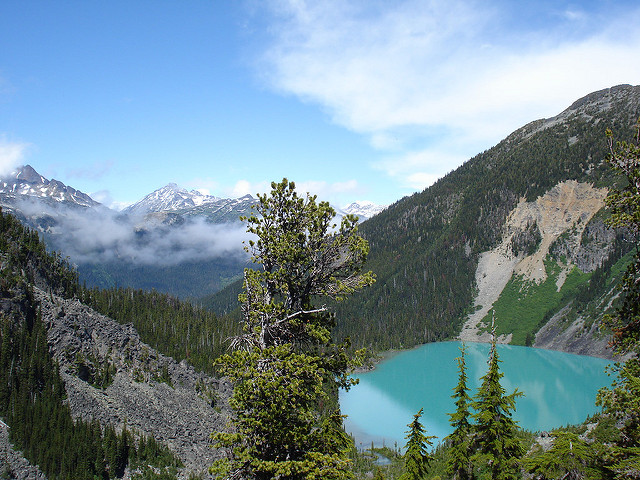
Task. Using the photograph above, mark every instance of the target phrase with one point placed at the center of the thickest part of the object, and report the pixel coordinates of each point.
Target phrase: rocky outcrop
(557, 223)
(575, 337)
(152, 393)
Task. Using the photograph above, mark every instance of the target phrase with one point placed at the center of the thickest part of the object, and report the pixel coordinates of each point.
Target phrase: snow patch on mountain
(26, 182)
(171, 197)
(363, 209)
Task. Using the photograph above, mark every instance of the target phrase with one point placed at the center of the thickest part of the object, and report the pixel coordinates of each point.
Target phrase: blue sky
(353, 100)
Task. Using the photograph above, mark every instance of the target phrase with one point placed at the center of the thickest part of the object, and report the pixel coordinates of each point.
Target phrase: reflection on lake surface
(560, 388)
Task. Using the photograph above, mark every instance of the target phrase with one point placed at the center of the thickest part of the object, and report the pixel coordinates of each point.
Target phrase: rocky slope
(568, 207)
(152, 393)
(27, 183)
(12, 463)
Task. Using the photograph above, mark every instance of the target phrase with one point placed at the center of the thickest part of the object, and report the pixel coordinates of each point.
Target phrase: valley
(520, 226)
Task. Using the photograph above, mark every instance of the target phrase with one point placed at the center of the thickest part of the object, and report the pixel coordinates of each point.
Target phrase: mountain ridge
(425, 248)
(26, 182)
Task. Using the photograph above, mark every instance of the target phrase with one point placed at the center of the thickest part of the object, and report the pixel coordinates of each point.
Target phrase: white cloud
(11, 155)
(421, 180)
(244, 187)
(419, 169)
(404, 72)
(97, 236)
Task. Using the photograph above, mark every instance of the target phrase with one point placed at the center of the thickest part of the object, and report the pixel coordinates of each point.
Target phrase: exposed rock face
(588, 251)
(575, 338)
(180, 415)
(558, 221)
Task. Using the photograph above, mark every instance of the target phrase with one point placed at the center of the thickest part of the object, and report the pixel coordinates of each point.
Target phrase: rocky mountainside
(109, 375)
(516, 232)
(152, 393)
(26, 183)
(179, 201)
(169, 198)
(361, 209)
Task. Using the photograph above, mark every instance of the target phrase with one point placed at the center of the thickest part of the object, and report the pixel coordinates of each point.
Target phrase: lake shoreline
(379, 357)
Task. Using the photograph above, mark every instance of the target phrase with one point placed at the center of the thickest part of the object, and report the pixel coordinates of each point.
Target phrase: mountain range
(173, 240)
(524, 216)
(517, 235)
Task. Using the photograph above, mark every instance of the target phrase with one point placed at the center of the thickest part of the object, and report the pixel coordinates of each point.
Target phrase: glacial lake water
(559, 389)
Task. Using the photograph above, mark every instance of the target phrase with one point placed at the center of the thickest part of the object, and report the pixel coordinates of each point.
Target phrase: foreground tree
(622, 400)
(286, 370)
(497, 446)
(624, 204)
(569, 458)
(459, 462)
(416, 456)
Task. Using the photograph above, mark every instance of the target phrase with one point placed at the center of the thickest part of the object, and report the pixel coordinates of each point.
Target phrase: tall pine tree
(286, 369)
(497, 447)
(416, 456)
(459, 462)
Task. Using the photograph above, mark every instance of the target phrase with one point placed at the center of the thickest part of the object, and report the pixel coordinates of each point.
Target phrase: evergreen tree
(497, 448)
(569, 458)
(622, 400)
(286, 370)
(624, 203)
(459, 462)
(377, 474)
(416, 456)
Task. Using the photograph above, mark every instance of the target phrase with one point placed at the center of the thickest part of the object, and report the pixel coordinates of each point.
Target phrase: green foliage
(279, 434)
(416, 456)
(286, 424)
(624, 203)
(496, 444)
(622, 403)
(301, 258)
(96, 373)
(569, 457)
(174, 328)
(523, 306)
(459, 462)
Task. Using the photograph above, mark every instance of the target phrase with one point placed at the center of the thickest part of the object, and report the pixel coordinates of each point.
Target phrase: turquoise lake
(559, 389)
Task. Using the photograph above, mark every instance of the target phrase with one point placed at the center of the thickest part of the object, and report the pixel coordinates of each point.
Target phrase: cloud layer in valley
(102, 235)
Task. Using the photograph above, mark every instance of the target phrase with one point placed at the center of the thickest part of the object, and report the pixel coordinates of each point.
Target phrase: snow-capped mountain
(170, 198)
(26, 183)
(362, 209)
